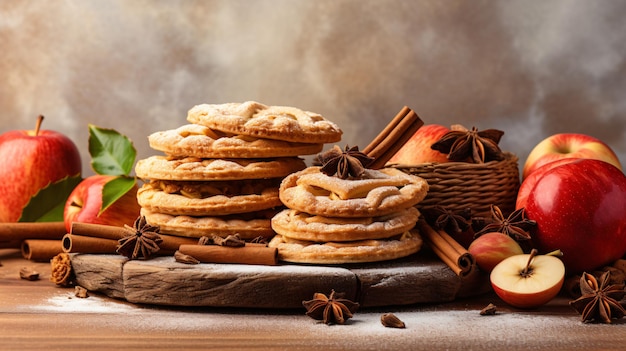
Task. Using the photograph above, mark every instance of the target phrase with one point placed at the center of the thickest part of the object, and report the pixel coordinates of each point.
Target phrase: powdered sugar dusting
(68, 303)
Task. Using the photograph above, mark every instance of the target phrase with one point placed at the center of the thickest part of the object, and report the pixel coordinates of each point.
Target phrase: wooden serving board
(420, 278)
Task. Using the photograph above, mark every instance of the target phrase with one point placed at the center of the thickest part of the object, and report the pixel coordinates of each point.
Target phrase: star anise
(344, 163)
(448, 220)
(141, 241)
(516, 225)
(599, 301)
(461, 144)
(330, 309)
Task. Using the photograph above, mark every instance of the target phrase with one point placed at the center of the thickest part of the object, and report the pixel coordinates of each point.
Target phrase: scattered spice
(461, 144)
(330, 309)
(489, 310)
(184, 258)
(28, 273)
(516, 225)
(233, 240)
(600, 300)
(259, 240)
(141, 241)
(448, 220)
(80, 292)
(390, 320)
(346, 163)
(62, 273)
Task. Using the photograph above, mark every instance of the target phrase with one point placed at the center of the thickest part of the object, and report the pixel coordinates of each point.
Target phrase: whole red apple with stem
(580, 208)
(417, 149)
(568, 145)
(31, 160)
(85, 203)
(528, 280)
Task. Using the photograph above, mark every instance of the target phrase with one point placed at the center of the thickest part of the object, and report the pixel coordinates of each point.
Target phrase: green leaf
(111, 152)
(115, 189)
(49, 203)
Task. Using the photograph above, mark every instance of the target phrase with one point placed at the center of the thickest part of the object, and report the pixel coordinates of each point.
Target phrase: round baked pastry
(360, 251)
(193, 168)
(248, 226)
(203, 142)
(299, 225)
(268, 122)
(376, 193)
(211, 198)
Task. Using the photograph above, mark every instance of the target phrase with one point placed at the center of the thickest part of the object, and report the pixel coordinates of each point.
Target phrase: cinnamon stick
(393, 137)
(31, 230)
(10, 244)
(41, 249)
(73, 243)
(169, 245)
(385, 132)
(248, 254)
(101, 231)
(447, 249)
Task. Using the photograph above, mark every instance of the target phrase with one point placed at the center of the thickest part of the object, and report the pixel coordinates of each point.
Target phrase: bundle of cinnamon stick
(39, 241)
(393, 137)
(42, 241)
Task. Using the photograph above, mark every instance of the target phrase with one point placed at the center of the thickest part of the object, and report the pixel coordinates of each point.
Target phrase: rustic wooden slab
(420, 278)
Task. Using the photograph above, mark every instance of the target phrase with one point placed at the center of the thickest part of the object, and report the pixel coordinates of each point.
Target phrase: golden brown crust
(381, 192)
(303, 226)
(270, 122)
(200, 141)
(193, 168)
(196, 227)
(297, 251)
(220, 199)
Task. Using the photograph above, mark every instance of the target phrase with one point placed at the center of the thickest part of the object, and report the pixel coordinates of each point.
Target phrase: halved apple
(528, 280)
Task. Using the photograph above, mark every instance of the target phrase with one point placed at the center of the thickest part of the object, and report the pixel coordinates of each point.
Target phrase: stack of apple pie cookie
(220, 174)
(343, 212)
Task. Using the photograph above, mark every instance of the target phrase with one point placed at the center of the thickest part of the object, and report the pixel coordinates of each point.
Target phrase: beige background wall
(530, 68)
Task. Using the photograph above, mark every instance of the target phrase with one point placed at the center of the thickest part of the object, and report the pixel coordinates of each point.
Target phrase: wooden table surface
(40, 315)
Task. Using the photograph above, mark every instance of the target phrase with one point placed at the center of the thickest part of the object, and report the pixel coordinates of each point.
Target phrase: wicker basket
(459, 185)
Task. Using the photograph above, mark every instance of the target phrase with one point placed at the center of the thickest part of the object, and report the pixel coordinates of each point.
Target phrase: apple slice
(529, 280)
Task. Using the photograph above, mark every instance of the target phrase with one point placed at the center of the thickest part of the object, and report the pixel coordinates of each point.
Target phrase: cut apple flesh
(541, 284)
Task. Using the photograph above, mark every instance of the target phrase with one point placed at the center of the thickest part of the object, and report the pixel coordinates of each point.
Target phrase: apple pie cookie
(376, 193)
(359, 251)
(269, 122)
(299, 225)
(249, 225)
(194, 168)
(203, 142)
(211, 198)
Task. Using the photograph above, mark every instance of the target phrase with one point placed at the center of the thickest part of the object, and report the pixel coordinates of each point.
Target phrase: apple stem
(526, 271)
(38, 125)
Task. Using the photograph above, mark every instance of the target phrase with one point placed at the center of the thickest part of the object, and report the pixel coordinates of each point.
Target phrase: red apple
(31, 160)
(529, 182)
(85, 202)
(417, 149)
(529, 280)
(568, 145)
(491, 248)
(580, 208)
